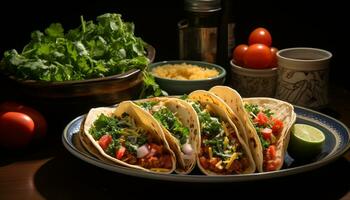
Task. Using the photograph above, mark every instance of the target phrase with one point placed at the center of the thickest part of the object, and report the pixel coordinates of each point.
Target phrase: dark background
(295, 23)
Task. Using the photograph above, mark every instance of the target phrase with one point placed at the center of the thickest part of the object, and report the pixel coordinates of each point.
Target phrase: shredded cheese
(225, 128)
(218, 165)
(226, 141)
(230, 161)
(210, 152)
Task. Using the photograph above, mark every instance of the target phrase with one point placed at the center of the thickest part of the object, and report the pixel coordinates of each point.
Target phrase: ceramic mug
(303, 76)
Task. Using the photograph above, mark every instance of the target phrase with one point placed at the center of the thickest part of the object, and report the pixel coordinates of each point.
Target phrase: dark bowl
(78, 96)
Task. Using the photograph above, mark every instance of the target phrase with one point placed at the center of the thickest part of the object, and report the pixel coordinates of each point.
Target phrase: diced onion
(142, 151)
(187, 149)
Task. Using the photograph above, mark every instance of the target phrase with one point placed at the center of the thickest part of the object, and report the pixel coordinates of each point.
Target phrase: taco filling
(171, 122)
(122, 139)
(269, 131)
(220, 149)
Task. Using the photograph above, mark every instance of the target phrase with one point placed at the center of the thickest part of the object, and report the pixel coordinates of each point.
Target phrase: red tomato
(16, 130)
(261, 36)
(261, 119)
(277, 127)
(120, 153)
(104, 141)
(271, 151)
(238, 54)
(272, 164)
(39, 120)
(257, 56)
(274, 56)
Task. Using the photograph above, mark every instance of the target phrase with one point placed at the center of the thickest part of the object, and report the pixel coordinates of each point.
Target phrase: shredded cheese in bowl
(184, 72)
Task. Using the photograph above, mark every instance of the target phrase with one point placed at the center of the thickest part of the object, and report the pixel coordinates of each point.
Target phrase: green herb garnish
(92, 50)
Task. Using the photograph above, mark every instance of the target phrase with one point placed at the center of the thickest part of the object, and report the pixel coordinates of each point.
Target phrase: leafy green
(172, 124)
(264, 143)
(92, 50)
(115, 144)
(184, 97)
(221, 150)
(268, 112)
(150, 87)
(123, 131)
(210, 126)
(104, 125)
(147, 105)
(253, 108)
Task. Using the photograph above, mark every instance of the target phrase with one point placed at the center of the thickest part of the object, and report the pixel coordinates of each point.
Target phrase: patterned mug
(303, 76)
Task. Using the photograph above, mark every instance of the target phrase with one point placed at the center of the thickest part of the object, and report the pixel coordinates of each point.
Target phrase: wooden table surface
(48, 171)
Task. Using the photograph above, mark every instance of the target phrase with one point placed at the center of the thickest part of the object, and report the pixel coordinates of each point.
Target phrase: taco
(221, 149)
(126, 135)
(268, 123)
(180, 126)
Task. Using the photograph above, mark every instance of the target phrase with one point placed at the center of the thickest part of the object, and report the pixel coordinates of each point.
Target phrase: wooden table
(48, 171)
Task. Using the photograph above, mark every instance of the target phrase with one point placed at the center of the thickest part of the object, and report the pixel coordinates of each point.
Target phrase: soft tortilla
(188, 116)
(215, 105)
(283, 111)
(141, 117)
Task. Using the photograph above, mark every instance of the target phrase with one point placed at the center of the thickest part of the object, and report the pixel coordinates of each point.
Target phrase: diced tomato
(277, 127)
(104, 141)
(266, 133)
(261, 119)
(120, 152)
(272, 164)
(271, 152)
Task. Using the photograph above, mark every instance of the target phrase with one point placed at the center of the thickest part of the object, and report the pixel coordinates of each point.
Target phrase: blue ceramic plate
(337, 142)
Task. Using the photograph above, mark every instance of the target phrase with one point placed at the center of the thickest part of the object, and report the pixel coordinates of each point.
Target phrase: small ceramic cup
(253, 82)
(303, 76)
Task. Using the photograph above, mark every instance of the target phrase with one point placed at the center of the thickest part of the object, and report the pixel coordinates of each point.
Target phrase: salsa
(122, 139)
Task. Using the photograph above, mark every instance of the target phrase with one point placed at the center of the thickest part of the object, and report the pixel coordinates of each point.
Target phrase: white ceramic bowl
(253, 82)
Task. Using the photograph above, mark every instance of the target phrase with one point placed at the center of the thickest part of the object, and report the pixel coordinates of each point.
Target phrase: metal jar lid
(202, 5)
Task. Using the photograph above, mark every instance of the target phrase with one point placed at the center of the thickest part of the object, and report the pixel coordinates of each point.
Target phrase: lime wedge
(306, 142)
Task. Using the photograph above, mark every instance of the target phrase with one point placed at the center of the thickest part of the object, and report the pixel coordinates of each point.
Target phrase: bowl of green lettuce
(100, 62)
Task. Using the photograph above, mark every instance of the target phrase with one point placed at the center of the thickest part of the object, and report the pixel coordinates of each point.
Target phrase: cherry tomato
(260, 36)
(257, 56)
(16, 130)
(274, 56)
(238, 54)
(39, 120)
